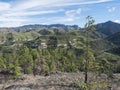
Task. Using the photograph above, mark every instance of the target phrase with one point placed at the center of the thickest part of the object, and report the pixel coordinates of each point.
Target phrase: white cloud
(71, 15)
(20, 11)
(78, 2)
(12, 19)
(32, 13)
(4, 6)
(9, 24)
(111, 9)
(60, 20)
(27, 4)
(117, 21)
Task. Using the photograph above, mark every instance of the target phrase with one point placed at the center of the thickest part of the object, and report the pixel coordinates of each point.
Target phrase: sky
(15, 13)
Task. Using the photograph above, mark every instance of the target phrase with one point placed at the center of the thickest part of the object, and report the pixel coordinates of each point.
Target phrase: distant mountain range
(39, 27)
(107, 28)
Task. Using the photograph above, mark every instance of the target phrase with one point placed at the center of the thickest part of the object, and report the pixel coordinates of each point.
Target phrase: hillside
(98, 40)
(114, 38)
(55, 53)
(108, 28)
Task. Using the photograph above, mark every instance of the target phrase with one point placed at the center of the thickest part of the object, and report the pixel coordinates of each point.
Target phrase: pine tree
(26, 60)
(52, 42)
(16, 69)
(35, 56)
(2, 64)
(89, 27)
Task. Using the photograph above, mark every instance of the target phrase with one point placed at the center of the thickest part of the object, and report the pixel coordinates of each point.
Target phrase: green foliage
(2, 64)
(9, 39)
(47, 69)
(17, 71)
(105, 66)
(26, 61)
(34, 54)
(94, 85)
(82, 85)
(35, 43)
(89, 26)
(52, 42)
(51, 64)
(44, 32)
(20, 52)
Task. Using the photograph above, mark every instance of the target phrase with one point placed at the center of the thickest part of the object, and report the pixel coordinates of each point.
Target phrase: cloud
(28, 4)
(78, 2)
(72, 14)
(12, 21)
(10, 24)
(117, 21)
(69, 16)
(4, 6)
(32, 13)
(20, 12)
(111, 9)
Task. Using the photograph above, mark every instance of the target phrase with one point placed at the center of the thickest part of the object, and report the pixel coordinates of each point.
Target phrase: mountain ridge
(107, 28)
(40, 26)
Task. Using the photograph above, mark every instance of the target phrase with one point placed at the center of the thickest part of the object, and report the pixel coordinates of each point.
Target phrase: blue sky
(23, 12)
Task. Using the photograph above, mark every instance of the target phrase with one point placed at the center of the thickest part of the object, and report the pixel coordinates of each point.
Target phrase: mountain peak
(109, 22)
(108, 27)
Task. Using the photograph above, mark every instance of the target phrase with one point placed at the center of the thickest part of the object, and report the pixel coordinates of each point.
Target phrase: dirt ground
(59, 81)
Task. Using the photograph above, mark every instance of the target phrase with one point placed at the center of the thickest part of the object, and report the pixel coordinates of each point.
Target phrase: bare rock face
(59, 81)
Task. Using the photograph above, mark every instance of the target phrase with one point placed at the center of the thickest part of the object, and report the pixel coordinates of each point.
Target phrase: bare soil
(59, 81)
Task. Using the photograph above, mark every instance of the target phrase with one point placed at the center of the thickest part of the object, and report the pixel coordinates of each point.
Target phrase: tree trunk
(87, 59)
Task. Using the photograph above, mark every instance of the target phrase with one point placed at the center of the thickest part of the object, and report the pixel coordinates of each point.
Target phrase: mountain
(108, 28)
(39, 27)
(114, 38)
(115, 51)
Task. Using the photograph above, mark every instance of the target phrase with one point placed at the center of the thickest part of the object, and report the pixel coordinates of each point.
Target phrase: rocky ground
(59, 81)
